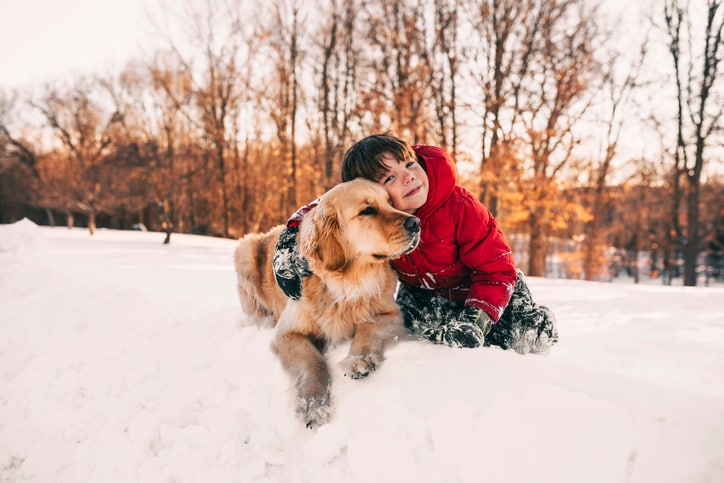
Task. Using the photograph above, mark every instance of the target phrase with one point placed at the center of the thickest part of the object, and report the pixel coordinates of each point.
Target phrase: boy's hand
(466, 330)
(476, 316)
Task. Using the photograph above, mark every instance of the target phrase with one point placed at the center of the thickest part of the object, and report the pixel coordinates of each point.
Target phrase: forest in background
(246, 113)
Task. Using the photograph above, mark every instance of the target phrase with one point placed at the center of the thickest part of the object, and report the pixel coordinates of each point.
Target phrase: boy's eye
(410, 163)
(370, 210)
(387, 179)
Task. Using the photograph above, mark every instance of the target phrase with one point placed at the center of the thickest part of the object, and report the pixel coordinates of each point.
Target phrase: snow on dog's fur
(348, 240)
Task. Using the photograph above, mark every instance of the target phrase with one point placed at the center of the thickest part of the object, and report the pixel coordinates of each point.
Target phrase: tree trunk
(536, 250)
(537, 256)
(691, 249)
(51, 216)
(222, 180)
(92, 222)
(636, 272)
(591, 250)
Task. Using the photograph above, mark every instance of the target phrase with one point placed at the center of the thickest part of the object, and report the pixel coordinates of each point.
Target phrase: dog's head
(353, 222)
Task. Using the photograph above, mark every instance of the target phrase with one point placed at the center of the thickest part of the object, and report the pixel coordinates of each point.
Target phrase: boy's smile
(406, 183)
(414, 191)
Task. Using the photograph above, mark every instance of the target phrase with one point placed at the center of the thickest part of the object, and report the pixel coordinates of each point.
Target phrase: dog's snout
(412, 224)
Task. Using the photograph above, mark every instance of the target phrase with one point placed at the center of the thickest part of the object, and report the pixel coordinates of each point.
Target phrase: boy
(459, 287)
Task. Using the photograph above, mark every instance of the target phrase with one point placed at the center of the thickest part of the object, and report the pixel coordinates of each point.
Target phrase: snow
(123, 359)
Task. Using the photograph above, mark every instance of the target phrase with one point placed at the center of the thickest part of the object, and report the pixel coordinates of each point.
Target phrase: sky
(126, 360)
(45, 40)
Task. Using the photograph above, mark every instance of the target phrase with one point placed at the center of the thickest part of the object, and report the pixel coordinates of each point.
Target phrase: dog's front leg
(303, 359)
(365, 352)
(368, 343)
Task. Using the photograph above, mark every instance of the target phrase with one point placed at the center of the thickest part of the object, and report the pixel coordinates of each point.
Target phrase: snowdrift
(122, 359)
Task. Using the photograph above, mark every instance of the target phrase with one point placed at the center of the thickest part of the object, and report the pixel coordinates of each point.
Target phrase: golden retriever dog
(348, 239)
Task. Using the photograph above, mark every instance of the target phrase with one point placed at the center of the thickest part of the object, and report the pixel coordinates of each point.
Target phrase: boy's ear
(320, 238)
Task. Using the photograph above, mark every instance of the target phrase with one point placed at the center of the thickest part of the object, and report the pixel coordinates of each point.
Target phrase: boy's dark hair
(363, 159)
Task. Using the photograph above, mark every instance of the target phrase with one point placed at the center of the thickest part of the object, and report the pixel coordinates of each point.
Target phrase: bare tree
(535, 66)
(552, 107)
(618, 87)
(218, 47)
(699, 115)
(397, 68)
(444, 71)
(12, 147)
(19, 176)
(151, 96)
(507, 33)
(83, 126)
(281, 92)
(338, 82)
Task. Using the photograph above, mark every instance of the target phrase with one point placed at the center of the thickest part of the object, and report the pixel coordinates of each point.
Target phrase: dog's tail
(246, 262)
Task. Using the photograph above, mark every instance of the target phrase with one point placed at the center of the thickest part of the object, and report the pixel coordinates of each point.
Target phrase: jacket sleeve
(288, 265)
(485, 251)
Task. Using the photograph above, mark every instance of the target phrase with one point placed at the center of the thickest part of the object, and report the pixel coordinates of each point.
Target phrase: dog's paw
(314, 411)
(360, 366)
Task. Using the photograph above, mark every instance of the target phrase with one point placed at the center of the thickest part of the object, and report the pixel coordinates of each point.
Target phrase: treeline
(247, 111)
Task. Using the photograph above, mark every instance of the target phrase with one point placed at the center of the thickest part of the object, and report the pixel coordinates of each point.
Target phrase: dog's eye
(370, 210)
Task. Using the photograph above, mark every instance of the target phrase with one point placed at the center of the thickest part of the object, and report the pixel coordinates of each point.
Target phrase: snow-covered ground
(124, 360)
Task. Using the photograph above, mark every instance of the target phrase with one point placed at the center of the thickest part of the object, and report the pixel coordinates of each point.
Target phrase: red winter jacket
(462, 254)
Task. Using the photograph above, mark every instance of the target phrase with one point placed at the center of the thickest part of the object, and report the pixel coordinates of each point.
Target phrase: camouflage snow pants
(289, 267)
(525, 326)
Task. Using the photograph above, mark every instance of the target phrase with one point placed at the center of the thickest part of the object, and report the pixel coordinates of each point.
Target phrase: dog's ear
(320, 238)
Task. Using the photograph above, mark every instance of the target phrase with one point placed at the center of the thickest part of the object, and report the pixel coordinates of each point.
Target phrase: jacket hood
(441, 174)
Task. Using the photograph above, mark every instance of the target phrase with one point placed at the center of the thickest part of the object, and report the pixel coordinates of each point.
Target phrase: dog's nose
(412, 224)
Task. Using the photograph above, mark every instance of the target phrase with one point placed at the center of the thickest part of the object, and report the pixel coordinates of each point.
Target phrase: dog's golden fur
(348, 241)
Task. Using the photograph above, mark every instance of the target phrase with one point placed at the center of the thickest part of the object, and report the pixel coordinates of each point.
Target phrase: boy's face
(406, 183)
